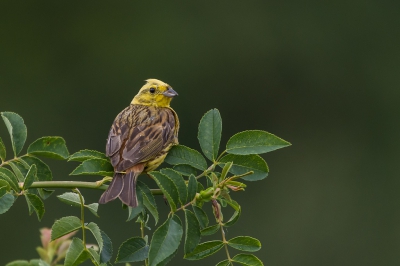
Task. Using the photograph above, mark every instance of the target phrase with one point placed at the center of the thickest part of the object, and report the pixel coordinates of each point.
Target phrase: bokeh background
(322, 75)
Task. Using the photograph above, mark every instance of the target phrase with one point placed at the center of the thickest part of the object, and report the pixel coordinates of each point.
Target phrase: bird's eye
(152, 90)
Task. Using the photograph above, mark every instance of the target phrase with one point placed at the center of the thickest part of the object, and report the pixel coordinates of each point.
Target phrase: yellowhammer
(140, 138)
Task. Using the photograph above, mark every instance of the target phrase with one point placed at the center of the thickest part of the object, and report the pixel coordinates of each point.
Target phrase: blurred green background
(323, 75)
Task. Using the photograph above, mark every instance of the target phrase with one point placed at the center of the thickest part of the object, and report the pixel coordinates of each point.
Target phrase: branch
(76, 184)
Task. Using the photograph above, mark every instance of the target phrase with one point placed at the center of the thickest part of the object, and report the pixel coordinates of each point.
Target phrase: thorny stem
(225, 244)
(142, 233)
(82, 216)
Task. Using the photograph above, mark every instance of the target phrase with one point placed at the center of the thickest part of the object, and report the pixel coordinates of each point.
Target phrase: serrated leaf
(168, 187)
(36, 204)
(17, 130)
(45, 193)
(93, 253)
(3, 190)
(6, 201)
(168, 259)
(254, 142)
(84, 155)
(17, 171)
(65, 226)
(192, 188)
(245, 163)
(247, 260)
(204, 250)
(210, 230)
(132, 250)
(76, 253)
(201, 216)
(245, 243)
(43, 170)
(192, 236)
(106, 252)
(94, 228)
(165, 241)
(209, 134)
(2, 151)
(148, 199)
(93, 207)
(234, 218)
(185, 169)
(5, 184)
(178, 182)
(51, 147)
(30, 177)
(71, 198)
(133, 212)
(10, 178)
(180, 154)
(223, 263)
(94, 167)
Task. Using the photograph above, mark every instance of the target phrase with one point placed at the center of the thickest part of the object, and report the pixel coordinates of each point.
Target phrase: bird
(140, 138)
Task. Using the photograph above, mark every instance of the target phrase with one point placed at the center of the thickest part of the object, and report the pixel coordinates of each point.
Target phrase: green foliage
(29, 176)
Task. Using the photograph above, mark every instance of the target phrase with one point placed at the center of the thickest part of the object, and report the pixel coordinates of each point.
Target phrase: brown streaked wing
(145, 139)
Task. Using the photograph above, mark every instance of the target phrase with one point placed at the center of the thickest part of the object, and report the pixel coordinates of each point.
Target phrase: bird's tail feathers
(122, 186)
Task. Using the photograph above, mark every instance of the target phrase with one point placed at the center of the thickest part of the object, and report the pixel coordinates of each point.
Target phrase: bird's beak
(170, 93)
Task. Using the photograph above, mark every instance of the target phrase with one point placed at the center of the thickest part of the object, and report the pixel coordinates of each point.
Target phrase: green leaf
(168, 188)
(192, 236)
(178, 182)
(16, 129)
(168, 259)
(234, 218)
(36, 203)
(201, 216)
(192, 188)
(3, 190)
(209, 134)
(254, 142)
(43, 170)
(245, 163)
(132, 250)
(225, 170)
(223, 263)
(19, 263)
(165, 241)
(6, 201)
(84, 155)
(94, 228)
(17, 170)
(5, 184)
(133, 212)
(76, 253)
(204, 250)
(185, 169)
(39, 263)
(11, 179)
(148, 199)
(245, 243)
(93, 207)
(94, 167)
(30, 177)
(65, 226)
(45, 193)
(2, 151)
(93, 253)
(210, 230)
(106, 252)
(180, 154)
(51, 147)
(71, 198)
(247, 260)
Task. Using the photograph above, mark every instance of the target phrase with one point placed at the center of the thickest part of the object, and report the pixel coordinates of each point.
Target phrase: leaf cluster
(191, 186)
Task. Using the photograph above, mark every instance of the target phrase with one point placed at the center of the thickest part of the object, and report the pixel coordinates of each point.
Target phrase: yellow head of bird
(155, 93)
